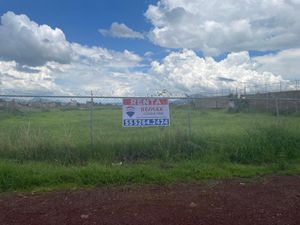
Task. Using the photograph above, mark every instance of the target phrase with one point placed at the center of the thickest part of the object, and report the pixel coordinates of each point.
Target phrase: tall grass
(63, 137)
(266, 144)
(45, 150)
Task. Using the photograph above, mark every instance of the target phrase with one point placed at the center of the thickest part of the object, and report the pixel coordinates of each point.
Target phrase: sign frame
(145, 112)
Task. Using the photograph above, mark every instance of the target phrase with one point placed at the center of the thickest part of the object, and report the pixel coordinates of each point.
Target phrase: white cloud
(179, 72)
(30, 64)
(120, 30)
(109, 72)
(26, 42)
(38, 81)
(104, 57)
(103, 76)
(216, 27)
(77, 78)
(186, 72)
(104, 71)
(284, 63)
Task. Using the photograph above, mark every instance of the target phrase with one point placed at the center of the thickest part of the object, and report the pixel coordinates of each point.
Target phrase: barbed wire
(244, 89)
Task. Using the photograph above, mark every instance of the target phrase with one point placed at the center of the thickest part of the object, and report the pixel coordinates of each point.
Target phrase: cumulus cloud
(37, 81)
(106, 73)
(76, 78)
(103, 71)
(216, 27)
(179, 72)
(104, 57)
(26, 42)
(37, 59)
(186, 72)
(120, 30)
(114, 73)
(284, 63)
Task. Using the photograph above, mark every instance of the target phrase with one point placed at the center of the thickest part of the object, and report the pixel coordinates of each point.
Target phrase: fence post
(266, 88)
(189, 119)
(267, 102)
(277, 107)
(280, 86)
(91, 121)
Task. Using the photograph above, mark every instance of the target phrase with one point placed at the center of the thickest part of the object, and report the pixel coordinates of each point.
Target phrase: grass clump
(266, 144)
(30, 176)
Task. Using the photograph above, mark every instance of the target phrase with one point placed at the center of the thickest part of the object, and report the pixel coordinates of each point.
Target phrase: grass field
(52, 148)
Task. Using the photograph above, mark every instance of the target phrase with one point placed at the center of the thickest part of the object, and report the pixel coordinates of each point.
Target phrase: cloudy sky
(141, 47)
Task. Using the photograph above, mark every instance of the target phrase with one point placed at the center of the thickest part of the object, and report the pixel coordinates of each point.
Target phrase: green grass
(37, 176)
(52, 148)
(63, 136)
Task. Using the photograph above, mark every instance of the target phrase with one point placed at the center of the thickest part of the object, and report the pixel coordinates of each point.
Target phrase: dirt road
(267, 201)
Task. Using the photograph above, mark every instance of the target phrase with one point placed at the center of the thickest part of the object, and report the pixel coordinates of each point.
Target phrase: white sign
(145, 112)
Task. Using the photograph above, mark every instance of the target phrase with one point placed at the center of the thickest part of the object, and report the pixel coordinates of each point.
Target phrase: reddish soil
(268, 201)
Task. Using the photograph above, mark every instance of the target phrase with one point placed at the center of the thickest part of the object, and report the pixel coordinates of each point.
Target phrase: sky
(145, 47)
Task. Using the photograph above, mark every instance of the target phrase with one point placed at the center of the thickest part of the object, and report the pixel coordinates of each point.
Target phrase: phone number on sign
(145, 122)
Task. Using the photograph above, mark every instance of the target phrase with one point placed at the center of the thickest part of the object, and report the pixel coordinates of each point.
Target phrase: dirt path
(269, 201)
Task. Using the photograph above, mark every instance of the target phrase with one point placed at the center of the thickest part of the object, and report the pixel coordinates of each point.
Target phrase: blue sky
(136, 47)
(80, 20)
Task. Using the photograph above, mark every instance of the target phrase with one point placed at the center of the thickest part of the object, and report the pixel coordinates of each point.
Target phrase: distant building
(72, 104)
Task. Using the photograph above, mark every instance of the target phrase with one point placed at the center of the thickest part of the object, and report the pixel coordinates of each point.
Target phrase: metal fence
(55, 127)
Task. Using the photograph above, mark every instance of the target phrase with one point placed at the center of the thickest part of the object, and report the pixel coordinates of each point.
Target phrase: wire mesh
(72, 129)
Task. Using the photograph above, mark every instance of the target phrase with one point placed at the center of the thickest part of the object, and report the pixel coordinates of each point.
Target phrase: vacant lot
(65, 136)
(48, 149)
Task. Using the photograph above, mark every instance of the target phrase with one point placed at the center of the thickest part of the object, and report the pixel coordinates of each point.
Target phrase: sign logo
(130, 111)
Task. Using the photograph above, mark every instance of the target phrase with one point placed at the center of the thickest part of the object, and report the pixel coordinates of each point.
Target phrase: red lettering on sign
(145, 101)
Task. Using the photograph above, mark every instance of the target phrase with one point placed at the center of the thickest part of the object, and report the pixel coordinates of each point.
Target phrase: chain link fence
(78, 129)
